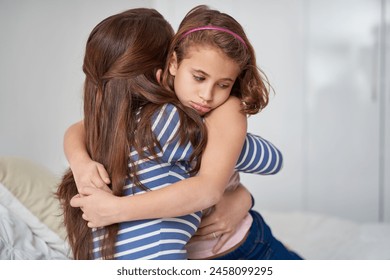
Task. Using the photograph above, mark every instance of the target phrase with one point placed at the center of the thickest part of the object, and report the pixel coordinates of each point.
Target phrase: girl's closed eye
(199, 78)
(223, 86)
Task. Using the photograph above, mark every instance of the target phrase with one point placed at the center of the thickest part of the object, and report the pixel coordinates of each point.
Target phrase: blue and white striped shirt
(166, 238)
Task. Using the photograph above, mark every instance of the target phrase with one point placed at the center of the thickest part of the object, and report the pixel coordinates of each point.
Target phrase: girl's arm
(258, 156)
(226, 127)
(85, 171)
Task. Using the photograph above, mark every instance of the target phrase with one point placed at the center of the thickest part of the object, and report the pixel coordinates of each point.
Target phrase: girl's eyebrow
(201, 72)
(207, 75)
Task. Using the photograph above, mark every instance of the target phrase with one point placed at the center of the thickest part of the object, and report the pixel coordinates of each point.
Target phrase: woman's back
(163, 238)
(121, 96)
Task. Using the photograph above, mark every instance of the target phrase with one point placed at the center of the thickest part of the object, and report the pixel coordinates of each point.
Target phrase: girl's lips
(200, 108)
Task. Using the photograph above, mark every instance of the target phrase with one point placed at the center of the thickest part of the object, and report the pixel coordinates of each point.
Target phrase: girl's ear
(158, 75)
(173, 64)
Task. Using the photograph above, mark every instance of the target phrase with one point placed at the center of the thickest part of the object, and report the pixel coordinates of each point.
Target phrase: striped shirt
(259, 156)
(165, 238)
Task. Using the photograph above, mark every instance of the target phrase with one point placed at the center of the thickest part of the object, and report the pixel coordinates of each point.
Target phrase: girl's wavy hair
(123, 54)
(251, 86)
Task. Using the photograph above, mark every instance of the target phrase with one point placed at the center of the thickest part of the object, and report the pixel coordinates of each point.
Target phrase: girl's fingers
(221, 241)
(100, 184)
(79, 199)
(76, 201)
(103, 174)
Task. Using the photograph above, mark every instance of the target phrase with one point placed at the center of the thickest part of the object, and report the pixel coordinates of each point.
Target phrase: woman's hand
(223, 221)
(100, 208)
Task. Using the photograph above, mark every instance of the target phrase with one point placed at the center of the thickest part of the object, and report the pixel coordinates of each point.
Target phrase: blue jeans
(260, 244)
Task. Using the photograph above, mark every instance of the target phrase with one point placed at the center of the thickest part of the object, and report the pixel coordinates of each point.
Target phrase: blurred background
(328, 62)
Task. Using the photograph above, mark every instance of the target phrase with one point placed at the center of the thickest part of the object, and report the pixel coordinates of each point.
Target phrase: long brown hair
(251, 86)
(122, 56)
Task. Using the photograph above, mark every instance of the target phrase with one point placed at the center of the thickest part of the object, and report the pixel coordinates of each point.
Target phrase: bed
(30, 217)
(31, 223)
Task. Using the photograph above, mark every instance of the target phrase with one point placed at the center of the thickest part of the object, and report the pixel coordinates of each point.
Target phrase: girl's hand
(89, 173)
(100, 208)
(223, 221)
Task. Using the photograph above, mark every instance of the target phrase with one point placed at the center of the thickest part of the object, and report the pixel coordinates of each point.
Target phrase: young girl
(215, 85)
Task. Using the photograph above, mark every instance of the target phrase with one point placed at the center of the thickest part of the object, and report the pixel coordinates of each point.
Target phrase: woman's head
(206, 32)
(127, 49)
(122, 56)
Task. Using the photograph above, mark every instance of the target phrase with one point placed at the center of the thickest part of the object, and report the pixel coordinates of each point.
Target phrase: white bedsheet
(23, 236)
(314, 236)
(322, 237)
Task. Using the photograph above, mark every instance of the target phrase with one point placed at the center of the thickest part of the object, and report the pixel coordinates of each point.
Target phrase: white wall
(41, 52)
(386, 100)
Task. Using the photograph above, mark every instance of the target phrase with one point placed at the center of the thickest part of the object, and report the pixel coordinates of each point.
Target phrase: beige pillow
(34, 186)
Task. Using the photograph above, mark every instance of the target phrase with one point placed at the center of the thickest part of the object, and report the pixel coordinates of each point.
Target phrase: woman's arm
(226, 127)
(226, 215)
(259, 156)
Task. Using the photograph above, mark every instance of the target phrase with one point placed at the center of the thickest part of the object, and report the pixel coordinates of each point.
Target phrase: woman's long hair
(122, 56)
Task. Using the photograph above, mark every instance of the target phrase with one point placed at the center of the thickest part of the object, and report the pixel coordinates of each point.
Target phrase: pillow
(34, 186)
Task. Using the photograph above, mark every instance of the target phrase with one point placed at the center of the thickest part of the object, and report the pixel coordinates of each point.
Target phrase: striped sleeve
(259, 156)
(166, 124)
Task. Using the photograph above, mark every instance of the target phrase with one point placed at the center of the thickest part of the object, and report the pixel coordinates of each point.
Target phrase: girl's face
(204, 78)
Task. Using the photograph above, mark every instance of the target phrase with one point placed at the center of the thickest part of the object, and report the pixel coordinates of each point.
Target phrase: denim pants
(260, 244)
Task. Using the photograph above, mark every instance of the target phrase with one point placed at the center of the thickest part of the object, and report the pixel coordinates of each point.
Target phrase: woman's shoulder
(167, 108)
(166, 115)
(170, 107)
(167, 111)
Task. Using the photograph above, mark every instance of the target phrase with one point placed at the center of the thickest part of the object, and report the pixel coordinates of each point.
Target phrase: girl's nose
(206, 94)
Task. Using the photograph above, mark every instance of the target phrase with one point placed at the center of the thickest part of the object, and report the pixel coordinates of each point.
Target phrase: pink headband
(210, 27)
